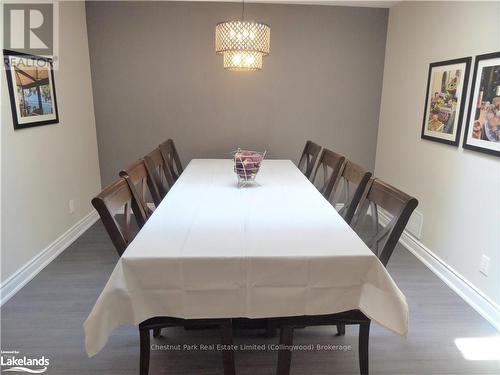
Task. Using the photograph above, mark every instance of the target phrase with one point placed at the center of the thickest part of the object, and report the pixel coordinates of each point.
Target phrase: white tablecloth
(211, 250)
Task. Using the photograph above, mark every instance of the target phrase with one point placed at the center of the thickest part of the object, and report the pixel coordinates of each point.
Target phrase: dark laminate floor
(46, 316)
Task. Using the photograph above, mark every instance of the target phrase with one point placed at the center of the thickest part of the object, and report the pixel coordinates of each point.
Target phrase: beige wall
(458, 190)
(44, 167)
(155, 75)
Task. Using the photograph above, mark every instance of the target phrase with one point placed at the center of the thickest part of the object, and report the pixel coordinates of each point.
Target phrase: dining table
(273, 248)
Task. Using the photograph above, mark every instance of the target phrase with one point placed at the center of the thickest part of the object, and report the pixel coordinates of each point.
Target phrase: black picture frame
(455, 142)
(12, 94)
(471, 111)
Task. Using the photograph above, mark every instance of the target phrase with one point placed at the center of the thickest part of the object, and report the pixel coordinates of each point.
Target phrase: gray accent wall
(155, 75)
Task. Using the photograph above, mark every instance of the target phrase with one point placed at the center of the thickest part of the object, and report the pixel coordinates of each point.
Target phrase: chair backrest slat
(397, 204)
(140, 182)
(109, 203)
(309, 157)
(161, 179)
(352, 182)
(171, 157)
(329, 166)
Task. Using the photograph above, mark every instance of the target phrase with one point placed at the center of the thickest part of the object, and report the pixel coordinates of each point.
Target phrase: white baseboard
(486, 307)
(26, 273)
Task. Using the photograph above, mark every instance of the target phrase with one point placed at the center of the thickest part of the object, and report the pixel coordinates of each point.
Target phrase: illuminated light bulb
(249, 60)
(232, 34)
(237, 59)
(245, 33)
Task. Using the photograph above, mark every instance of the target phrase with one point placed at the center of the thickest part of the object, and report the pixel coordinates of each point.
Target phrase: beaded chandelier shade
(242, 44)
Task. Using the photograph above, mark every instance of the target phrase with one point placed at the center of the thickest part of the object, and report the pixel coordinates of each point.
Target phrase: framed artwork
(445, 100)
(32, 92)
(482, 132)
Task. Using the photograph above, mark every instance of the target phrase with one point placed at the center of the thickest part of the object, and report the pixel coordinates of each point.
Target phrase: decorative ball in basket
(246, 165)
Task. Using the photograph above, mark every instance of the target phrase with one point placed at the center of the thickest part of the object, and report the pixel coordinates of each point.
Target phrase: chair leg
(156, 332)
(285, 354)
(340, 329)
(364, 335)
(144, 357)
(271, 329)
(227, 354)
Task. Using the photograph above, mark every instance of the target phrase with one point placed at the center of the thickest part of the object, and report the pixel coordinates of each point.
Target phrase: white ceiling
(353, 3)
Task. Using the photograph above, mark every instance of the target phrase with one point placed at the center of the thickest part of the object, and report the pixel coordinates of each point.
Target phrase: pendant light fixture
(242, 43)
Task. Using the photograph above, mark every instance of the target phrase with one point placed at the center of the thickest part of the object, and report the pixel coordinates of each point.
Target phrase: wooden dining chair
(326, 172)
(109, 203)
(309, 157)
(394, 203)
(171, 157)
(399, 206)
(161, 179)
(141, 183)
(348, 189)
(155, 324)
(287, 326)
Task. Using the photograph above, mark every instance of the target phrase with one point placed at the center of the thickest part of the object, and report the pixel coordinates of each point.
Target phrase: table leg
(285, 354)
(228, 354)
(144, 356)
(364, 335)
(340, 329)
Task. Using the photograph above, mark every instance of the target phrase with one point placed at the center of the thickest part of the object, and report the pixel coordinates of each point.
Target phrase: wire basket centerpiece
(246, 165)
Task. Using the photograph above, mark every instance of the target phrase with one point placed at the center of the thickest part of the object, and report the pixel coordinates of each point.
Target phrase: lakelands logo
(12, 361)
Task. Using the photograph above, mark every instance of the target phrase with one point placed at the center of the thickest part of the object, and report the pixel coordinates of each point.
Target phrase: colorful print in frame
(445, 100)
(482, 132)
(30, 80)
